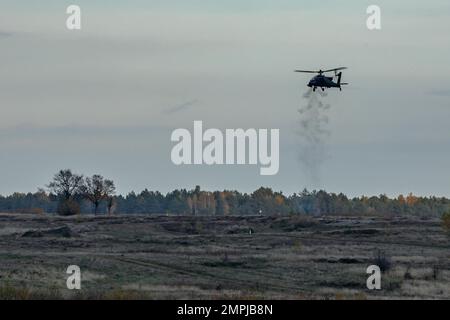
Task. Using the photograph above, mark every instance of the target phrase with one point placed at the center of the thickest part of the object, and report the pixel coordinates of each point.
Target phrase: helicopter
(322, 81)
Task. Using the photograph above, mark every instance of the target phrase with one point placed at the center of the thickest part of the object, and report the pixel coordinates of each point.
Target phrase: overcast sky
(105, 99)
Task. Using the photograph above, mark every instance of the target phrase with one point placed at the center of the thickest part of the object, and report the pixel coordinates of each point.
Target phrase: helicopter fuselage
(321, 81)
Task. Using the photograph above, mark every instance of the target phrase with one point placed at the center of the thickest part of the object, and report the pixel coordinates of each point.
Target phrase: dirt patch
(60, 232)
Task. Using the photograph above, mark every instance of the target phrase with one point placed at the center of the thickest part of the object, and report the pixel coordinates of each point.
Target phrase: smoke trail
(314, 135)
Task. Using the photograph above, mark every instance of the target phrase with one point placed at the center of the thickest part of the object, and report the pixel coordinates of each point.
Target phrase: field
(258, 257)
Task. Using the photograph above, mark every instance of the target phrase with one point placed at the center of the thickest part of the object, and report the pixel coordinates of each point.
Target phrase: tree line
(70, 193)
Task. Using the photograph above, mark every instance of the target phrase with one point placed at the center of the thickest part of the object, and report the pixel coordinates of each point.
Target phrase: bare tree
(67, 185)
(110, 190)
(98, 189)
(94, 190)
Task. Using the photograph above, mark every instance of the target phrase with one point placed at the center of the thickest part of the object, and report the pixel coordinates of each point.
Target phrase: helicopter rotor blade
(336, 69)
(306, 71)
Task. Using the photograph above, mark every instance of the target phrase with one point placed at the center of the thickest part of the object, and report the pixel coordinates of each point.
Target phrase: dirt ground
(173, 257)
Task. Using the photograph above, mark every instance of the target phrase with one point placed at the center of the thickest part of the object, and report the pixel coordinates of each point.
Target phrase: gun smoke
(314, 135)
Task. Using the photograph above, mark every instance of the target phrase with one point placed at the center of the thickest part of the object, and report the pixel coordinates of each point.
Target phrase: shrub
(9, 292)
(435, 273)
(35, 211)
(294, 223)
(68, 207)
(446, 221)
(382, 261)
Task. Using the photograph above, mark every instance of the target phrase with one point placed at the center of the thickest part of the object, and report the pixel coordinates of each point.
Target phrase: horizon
(137, 192)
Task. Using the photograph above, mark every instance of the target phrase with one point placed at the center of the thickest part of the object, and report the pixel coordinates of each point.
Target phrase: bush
(35, 211)
(294, 223)
(9, 292)
(68, 208)
(446, 221)
(382, 261)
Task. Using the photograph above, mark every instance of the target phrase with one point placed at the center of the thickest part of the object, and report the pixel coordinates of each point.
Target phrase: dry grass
(286, 257)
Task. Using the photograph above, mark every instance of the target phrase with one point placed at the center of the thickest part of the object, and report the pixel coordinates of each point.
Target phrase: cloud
(79, 130)
(441, 93)
(5, 34)
(180, 107)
